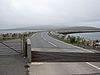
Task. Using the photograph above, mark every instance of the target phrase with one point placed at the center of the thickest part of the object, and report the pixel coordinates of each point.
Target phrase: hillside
(43, 27)
(52, 27)
(80, 28)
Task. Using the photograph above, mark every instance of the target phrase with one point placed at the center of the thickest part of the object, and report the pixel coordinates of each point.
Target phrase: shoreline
(17, 31)
(77, 40)
(74, 31)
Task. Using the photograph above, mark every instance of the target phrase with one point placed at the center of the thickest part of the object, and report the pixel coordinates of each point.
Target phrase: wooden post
(29, 50)
(24, 47)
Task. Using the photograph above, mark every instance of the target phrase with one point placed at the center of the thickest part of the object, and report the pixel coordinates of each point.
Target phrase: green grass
(26, 66)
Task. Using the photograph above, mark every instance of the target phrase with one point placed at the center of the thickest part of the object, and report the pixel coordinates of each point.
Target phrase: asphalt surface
(53, 57)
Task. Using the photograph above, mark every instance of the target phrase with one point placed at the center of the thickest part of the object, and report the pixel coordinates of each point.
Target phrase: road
(53, 57)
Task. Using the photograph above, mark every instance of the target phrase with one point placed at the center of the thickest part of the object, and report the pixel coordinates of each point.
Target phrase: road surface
(53, 57)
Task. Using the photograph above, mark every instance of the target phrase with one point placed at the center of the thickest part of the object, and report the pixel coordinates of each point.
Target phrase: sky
(23, 13)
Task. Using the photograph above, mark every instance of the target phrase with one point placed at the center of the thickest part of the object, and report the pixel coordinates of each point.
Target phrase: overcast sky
(19, 13)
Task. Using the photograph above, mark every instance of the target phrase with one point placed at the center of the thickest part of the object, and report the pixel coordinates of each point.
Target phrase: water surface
(17, 31)
(92, 35)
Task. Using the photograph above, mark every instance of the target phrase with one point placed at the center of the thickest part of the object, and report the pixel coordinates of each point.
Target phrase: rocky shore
(76, 40)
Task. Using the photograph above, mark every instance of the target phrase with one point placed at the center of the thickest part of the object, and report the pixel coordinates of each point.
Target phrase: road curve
(54, 57)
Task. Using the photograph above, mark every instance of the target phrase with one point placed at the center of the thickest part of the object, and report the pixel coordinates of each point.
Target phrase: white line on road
(43, 38)
(52, 44)
(93, 65)
(48, 41)
(37, 63)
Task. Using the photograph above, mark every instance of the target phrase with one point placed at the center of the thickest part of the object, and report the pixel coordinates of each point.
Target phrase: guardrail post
(29, 50)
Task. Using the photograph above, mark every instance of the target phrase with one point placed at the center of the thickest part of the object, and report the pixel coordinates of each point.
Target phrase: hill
(80, 28)
(54, 27)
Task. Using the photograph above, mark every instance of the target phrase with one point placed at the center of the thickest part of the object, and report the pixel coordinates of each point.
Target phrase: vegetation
(9, 36)
(77, 41)
(26, 66)
(72, 39)
(27, 70)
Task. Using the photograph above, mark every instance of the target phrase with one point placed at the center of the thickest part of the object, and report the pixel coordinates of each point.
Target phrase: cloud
(17, 13)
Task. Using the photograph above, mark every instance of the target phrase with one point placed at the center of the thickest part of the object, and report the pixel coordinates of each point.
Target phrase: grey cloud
(17, 13)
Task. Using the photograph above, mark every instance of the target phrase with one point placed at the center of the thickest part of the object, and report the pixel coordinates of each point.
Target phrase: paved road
(54, 57)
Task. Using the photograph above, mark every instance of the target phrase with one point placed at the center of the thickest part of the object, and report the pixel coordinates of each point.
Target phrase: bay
(17, 31)
(92, 35)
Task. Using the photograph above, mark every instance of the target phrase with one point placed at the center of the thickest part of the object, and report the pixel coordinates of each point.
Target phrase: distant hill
(55, 27)
(80, 28)
(41, 27)
(45, 27)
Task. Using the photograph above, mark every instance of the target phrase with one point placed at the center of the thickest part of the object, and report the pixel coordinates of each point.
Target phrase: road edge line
(93, 65)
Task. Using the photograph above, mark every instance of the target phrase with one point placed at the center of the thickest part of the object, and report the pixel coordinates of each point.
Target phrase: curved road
(54, 57)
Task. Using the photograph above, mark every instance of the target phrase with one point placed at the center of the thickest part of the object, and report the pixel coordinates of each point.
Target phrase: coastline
(17, 31)
(76, 40)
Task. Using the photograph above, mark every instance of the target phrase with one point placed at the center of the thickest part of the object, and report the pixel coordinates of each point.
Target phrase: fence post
(24, 47)
(1, 38)
(29, 50)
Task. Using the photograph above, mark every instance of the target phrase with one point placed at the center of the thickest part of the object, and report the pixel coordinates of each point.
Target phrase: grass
(26, 66)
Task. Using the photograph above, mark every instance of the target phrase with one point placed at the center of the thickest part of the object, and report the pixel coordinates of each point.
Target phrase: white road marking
(93, 65)
(43, 38)
(48, 41)
(52, 44)
(37, 63)
(82, 48)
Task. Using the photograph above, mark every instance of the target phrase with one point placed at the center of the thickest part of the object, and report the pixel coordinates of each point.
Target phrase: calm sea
(17, 31)
(92, 36)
